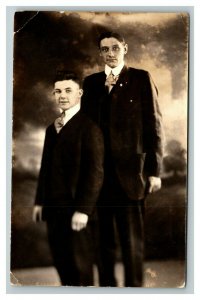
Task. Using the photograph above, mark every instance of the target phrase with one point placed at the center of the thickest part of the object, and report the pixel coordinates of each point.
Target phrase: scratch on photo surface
(27, 22)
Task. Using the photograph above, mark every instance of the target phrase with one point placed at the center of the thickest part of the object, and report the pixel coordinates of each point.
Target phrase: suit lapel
(100, 87)
(101, 83)
(121, 82)
(73, 122)
(101, 78)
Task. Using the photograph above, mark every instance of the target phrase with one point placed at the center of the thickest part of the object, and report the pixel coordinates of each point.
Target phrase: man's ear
(80, 92)
(125, 48)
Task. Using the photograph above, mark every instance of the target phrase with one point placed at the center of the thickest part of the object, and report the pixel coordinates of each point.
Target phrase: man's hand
(154, 184)
(37, 213)
(79, 221)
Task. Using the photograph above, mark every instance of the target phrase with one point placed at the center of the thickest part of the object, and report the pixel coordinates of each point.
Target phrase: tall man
(123, 102)
(70, 179)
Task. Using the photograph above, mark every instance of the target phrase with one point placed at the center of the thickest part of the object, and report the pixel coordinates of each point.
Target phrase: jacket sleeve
(91, 170)
(152, 127)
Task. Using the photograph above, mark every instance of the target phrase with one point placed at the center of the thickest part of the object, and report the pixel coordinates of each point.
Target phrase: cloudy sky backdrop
(47, 41)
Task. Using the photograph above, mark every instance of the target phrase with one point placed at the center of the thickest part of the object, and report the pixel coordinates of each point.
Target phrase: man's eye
(104, 49)
(116, 48)
(57, 92)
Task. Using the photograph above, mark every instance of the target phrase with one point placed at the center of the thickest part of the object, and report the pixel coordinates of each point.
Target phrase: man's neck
(116, 71)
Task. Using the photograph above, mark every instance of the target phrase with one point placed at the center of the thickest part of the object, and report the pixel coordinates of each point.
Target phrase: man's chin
(64, 107)
(112, 64)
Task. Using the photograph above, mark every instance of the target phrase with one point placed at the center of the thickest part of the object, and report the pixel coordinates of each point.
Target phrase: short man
(70, 179)
(123, 102)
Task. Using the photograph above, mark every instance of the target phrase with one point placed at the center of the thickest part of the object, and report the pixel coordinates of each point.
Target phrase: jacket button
(131, 100)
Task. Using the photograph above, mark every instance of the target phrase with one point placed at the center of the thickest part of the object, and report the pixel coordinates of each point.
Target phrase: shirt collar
(69, 113)
(116, 71)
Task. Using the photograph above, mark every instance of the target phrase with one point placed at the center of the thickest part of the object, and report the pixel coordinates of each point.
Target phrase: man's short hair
(109, 34)
(68, 75)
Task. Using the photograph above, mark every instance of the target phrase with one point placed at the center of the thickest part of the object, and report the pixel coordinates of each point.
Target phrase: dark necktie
(59, 122)
(111, 81)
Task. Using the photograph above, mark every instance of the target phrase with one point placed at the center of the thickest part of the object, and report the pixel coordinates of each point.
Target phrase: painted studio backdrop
(47, 41)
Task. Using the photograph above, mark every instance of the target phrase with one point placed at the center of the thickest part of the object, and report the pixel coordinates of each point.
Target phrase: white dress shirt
(116, 71)
(69, 113)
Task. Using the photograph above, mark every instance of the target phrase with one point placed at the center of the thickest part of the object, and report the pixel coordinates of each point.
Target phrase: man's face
(112, 51)
(67, 93)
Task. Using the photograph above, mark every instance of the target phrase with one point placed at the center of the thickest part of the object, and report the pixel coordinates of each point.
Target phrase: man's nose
(62, 94)
(110, 52)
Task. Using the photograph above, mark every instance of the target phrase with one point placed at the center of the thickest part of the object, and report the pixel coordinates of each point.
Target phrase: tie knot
(59, 122)
(62, 115)
(111, 81)
(111, 74)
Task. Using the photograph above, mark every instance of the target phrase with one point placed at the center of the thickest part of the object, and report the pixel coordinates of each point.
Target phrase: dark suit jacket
(135, 127)
(71, 173)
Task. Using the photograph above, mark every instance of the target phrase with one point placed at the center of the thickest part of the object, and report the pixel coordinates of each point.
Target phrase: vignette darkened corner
(45, 42)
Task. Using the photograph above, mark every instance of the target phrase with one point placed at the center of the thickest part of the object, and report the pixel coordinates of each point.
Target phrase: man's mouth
(64, 102)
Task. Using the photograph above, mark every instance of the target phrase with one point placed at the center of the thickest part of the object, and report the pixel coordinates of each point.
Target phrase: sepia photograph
(100, 149)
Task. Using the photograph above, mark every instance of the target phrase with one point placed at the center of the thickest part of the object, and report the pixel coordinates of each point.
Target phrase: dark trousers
(71, 251)
(117, 212)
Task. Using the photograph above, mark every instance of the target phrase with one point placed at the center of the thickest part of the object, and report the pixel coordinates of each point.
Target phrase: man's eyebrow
(115, 45)
(67, 88)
